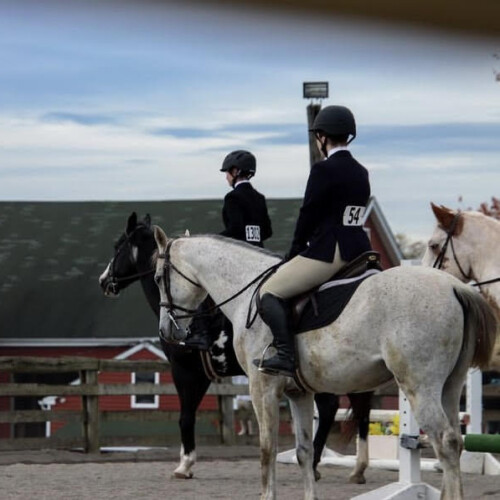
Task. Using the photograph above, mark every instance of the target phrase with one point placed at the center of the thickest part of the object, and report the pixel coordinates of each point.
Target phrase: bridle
(438, 263)
(169, 305)
(172, 307)
(114, 281)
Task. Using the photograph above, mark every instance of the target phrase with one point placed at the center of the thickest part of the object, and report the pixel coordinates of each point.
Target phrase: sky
(123, 100)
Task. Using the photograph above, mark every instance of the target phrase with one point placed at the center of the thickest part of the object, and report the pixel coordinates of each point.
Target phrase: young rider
(245, 218)
(328, 232)
(245, 211)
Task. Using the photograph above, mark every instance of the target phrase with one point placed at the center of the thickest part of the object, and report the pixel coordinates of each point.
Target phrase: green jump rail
(486, 443)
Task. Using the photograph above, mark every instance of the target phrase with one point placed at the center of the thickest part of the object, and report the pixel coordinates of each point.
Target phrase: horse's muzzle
(109, 288)
(170, 331)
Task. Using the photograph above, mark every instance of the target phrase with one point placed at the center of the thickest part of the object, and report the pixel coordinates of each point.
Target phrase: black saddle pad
(330, 298)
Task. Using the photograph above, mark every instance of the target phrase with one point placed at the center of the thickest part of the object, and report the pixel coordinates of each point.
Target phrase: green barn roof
(52, 253)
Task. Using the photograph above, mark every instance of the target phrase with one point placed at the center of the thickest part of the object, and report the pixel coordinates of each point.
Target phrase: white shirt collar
(335, 150)
(241, 182)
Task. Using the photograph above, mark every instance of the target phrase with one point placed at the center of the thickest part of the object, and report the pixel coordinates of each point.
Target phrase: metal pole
(314, 153)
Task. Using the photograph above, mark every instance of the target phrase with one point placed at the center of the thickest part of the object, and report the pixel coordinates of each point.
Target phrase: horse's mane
(239, 243)
(225, 239)
(475, 214)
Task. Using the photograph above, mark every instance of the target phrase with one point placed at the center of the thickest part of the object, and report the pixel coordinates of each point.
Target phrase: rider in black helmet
(245, 211)
(328, 233)
(245, 218)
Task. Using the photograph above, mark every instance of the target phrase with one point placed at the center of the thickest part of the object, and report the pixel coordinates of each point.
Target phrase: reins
(438, 263)
(191, 313)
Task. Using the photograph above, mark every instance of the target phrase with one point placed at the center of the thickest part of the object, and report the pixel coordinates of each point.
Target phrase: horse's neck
(152, 293)
(145, 265)
(224, 277)
(486, 264)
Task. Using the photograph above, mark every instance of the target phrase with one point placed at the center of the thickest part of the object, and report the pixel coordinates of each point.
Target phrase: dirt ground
(222, 472)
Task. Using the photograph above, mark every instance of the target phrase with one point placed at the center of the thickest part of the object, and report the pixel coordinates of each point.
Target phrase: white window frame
(156, 398)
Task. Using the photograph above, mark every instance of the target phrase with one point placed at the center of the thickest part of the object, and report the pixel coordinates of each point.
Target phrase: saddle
(322, 305)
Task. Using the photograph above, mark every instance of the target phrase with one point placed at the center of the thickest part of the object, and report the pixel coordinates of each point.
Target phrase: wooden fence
(90, 417)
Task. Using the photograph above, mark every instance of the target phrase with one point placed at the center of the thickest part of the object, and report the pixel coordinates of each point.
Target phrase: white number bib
(252, 233)
(353, 215)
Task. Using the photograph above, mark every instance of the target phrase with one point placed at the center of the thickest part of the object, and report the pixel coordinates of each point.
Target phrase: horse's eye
(434, 246)
(157, 279)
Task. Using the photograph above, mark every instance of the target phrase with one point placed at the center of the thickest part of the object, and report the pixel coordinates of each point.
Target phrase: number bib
(353, 215)
(252, 233)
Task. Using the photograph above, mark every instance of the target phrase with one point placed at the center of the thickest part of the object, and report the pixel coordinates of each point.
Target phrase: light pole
(314, 91)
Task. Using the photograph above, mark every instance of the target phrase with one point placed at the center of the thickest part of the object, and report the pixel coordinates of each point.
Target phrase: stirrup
(257, 362)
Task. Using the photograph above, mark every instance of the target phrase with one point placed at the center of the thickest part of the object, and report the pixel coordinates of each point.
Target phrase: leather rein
(170, 305)
(438, 263)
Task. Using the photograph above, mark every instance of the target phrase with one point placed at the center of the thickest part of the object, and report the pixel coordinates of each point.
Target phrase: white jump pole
(409, 486)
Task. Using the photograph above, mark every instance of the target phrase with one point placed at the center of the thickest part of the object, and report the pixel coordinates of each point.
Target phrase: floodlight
(315, 90)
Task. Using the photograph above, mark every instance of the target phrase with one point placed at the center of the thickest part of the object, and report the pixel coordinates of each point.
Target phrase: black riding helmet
(243, 160)
(335, 121)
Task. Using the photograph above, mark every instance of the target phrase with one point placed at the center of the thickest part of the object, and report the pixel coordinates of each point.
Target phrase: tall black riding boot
(274, 313)
(203, 328)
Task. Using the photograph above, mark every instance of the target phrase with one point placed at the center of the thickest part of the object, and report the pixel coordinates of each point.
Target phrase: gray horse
(419, 325)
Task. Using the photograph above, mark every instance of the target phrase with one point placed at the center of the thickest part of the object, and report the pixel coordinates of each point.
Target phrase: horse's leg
(361, 404)
(327, 405)
(427, 406)
(191, 385)
(302, 408)
(452, 392)
(266, 392)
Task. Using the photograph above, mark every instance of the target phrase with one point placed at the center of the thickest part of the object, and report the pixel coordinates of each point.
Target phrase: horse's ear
(160, 237)
(187, 234)
(444, 215)
(131, 223)
(147, 220)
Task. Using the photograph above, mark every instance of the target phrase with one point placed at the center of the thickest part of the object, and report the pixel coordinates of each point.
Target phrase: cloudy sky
(116, 100)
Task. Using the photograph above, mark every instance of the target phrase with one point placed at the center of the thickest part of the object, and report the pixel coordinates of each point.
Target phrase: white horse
(466, 245)
(419, 325)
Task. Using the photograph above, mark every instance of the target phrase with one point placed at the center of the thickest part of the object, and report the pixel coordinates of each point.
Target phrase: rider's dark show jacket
(245, 215)
(336, 196)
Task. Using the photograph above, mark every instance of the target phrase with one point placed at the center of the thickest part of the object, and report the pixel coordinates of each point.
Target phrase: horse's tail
(480, 325)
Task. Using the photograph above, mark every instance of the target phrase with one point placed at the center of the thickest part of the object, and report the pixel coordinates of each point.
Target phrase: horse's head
(180, 293)
(132, 258)
(446, 248)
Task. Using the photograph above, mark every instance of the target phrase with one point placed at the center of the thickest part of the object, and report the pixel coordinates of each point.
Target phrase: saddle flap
(321, 309)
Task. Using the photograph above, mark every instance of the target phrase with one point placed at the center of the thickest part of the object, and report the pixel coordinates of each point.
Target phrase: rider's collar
(241, 182)
(336, 150)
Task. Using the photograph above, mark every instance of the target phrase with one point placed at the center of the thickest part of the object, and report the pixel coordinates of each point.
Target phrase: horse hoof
(317, 475)
(357, 479)
(183, 475)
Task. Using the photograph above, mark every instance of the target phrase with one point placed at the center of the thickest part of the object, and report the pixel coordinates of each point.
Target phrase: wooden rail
(89, 389)
(91, 417)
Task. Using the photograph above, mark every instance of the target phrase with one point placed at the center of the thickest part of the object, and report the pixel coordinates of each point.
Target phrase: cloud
(78, 118)
(183, 133)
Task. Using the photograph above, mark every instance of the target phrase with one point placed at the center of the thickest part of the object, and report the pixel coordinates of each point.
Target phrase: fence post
(227, 419)
(90, 408)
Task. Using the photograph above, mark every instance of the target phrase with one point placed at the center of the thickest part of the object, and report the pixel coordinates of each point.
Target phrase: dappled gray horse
(419, 325)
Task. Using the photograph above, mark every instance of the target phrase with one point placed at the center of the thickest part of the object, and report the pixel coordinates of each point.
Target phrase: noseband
(438, 263)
